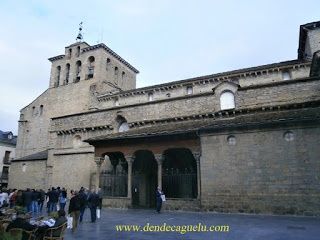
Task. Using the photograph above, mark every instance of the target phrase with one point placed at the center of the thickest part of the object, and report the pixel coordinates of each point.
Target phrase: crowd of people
(32, 201)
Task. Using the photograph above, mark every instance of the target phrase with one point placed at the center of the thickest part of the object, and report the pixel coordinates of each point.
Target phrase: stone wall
(263, 172)
(116, 202)
(173, 204)
(28, 174)
(72, 169)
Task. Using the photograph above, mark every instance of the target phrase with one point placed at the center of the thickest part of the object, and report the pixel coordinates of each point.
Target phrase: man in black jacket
(93, 203)
(27, 199)
(74, 209)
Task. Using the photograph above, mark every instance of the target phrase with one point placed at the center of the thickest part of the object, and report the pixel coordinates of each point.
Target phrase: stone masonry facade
(258, 156)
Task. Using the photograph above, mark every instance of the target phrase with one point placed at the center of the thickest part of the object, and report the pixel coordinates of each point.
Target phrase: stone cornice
(102, 45)
(56, 58)
(84, 129)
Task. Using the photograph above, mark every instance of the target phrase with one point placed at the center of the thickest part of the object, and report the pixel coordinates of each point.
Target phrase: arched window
(70, 52)
(56, 84)
(286, 75)
(150, 97)
(227, 100)
(67, 73)
(108, 63)
(123, 124)
(91, 60)
(78, 71)
(78, 51)
(116, 71)
(189, 90)
(123, 75)
(41, 109)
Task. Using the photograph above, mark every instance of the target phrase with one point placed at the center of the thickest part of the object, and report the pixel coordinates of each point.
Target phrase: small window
(288, 136)
(70, 52)
(67, 73)
(77, 141)
(286, 75)
(116, 71)
(91, 60)
(7, 155)
(189, 90)
(24, 167)
(108, 63)
(78, 51)
(123, 75)
(231, 140)
(33, 110)
(150, 97)
(78, 71)
(56, 84)
(227, 100)
(41, 109)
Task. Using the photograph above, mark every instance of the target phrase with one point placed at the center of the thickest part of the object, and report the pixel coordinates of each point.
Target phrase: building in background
(240, 141)
(7, 152)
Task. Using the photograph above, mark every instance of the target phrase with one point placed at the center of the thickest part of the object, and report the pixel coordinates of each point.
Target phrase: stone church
(240, 141)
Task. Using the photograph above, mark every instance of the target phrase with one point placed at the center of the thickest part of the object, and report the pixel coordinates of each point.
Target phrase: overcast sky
(165, 40)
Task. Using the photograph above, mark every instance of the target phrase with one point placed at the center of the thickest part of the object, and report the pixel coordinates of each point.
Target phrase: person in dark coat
(83, 202)
(27, 200)
(74, 209)
(42, 196)
(159, 199)
(93, 203)
(35, 197)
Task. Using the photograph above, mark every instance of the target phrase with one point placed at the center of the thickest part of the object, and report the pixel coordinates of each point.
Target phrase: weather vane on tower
(80, 37)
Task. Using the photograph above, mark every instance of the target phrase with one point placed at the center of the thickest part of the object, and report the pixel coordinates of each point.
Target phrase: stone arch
(227, 100)
(122, 124)
(179, 173)
(78, 71)
(114, 175)
(67, 73)
(91, 63)
(144, 178)
(58, 74)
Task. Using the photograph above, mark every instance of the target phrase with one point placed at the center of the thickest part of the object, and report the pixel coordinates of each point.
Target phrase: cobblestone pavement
(241, 227)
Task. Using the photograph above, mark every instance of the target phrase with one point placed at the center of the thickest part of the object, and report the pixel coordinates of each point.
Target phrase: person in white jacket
(4, 197)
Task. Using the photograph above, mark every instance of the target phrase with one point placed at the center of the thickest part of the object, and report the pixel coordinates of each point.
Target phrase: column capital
(129, 159)
(98, 160)
(158, 157)
(197, 156)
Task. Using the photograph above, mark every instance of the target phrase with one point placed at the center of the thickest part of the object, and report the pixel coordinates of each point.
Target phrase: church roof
(35, 156)
(100, 45)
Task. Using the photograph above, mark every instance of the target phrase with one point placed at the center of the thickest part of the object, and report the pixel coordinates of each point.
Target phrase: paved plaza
(241, 227)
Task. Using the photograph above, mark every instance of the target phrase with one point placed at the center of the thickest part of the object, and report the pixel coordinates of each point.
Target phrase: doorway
(144, 179)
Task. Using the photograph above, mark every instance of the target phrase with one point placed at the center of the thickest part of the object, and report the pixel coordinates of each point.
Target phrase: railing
(179, 184)
(114, 185)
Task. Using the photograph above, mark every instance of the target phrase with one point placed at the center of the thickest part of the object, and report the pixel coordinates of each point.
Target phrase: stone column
(159, 159)
(129, 161)
(98, 161)
(197, 156)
